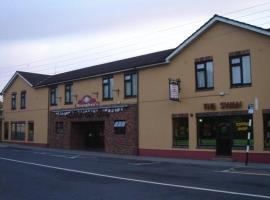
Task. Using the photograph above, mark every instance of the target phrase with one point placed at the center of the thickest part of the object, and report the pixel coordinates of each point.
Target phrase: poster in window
(174, 90)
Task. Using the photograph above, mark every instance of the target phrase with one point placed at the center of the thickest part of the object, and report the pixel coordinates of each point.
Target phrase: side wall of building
(36, 111)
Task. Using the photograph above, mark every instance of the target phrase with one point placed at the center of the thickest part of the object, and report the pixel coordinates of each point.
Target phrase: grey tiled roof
(126, 64)
(33, 78)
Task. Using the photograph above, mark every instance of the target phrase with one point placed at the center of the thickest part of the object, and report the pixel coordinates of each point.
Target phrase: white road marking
(138, 180)
(245, 173)
(146, 163)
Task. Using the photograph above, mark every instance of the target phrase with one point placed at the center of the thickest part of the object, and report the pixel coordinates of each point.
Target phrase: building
(1, 118)
(134, 106)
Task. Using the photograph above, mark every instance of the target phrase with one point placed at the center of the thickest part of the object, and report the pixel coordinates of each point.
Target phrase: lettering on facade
(223, 105)
(209, 106)
(231, 105)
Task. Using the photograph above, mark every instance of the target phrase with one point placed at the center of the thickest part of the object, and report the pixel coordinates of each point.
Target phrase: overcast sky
(49, 36)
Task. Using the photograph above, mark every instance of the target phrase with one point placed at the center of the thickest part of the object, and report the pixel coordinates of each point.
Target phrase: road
(40, 174)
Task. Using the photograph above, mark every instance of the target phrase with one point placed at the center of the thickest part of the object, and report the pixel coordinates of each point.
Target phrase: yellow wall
(36, 109)
(91, 87)
(155, 110)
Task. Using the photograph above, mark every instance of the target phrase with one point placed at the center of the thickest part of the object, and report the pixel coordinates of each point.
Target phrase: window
(180, 131)
(120, 127)
(18, 131)
(68, 94)
(6, 130)
(30, 131)
(131, 85)
(107, 88)
(53, 92)
(209, 129)
(23, 99)
(266, 124)
(204, 75)
(59, 127)
(240, 70)
(13, 101)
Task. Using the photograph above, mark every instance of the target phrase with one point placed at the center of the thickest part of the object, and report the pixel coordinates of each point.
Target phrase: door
(224, 140)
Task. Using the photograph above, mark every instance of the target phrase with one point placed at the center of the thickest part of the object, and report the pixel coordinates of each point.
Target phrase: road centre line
(138, 180)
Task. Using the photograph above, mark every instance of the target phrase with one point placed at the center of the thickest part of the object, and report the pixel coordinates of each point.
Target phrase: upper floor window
(240, 69)
(23, 99)
(204, 75)
(53, 92)
(107, 88)
(68, 93)
(131, 85)
(13, 101)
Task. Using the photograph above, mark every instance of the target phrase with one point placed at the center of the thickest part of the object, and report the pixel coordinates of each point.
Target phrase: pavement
(41, 173)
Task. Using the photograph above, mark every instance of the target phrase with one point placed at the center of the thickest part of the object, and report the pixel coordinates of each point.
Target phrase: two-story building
(1, 119)
(133, 106)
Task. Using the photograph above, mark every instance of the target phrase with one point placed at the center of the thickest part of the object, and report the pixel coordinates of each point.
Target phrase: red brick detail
(27, 143)
(120, 144)
(205, 155)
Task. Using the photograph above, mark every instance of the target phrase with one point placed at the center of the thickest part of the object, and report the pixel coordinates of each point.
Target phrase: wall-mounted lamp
(221, 93)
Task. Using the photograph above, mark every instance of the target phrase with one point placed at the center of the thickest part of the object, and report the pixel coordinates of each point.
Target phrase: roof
(107, 68)
(210, 23)
(31, 79)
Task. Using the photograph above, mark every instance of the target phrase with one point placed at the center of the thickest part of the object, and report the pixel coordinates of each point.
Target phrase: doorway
(87, 135)
(224, 139)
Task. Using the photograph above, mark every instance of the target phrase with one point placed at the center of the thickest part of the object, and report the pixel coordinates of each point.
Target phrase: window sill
(107, 99)
(180, 147)
(130, 97)
(240, 86)
(204, 89)
(53, 104)
(68, 103)
(206, 147)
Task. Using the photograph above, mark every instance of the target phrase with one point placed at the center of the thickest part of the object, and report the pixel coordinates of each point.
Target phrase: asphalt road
(40, 174)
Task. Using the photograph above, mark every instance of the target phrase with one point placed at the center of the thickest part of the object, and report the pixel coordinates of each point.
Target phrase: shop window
(266, 123)
(204, 75)
(180, 131)
(208, 130)
(13, 101)
(6, 125)
(59, 127)
(107, 88)
(68, 93)
(120, 127)
(30, 131)
(18, 131)
(130, 85)
(240, 68)
(23, 99)
(53, 93)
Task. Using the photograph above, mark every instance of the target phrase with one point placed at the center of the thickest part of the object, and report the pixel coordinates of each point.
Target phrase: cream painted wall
(91, 87)
(155, 110)
(36, 109)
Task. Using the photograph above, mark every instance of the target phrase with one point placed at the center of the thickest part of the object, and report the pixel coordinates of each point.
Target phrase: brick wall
(120, 144)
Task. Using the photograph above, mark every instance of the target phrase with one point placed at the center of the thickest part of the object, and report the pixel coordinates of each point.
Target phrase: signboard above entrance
(88, 101)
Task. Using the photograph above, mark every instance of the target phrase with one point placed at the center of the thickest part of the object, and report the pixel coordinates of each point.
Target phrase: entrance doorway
(224, 140)
(87, 135)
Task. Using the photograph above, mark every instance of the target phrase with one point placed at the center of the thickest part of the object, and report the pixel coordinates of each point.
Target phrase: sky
(49, 37)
